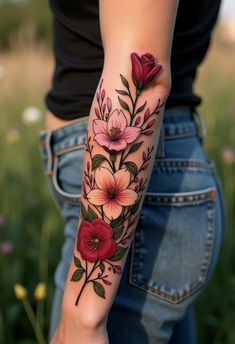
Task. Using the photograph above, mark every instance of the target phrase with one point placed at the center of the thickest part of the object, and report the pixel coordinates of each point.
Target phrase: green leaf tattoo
(99, 289)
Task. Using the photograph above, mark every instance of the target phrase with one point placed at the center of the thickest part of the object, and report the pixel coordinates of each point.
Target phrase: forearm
(119, 153)
(123, 132)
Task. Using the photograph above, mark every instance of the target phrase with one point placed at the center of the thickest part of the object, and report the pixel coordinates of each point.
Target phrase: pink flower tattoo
(112, 193)
(115, 134)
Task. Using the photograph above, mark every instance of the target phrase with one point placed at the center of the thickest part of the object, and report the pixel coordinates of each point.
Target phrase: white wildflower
(31, 115)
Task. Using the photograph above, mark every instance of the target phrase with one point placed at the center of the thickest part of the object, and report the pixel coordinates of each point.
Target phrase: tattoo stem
(86, 269)
(78, 297)
(96, 207)
(102, 212)
(134, 105)
(86, 280)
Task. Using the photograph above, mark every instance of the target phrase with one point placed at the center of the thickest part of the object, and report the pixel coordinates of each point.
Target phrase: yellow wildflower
(20, 291)
(40, 291)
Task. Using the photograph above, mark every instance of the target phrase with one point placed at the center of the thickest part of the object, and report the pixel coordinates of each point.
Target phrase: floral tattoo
(112, 184)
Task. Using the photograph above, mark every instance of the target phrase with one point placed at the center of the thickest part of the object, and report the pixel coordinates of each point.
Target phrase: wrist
(83, 326)
(83, 317)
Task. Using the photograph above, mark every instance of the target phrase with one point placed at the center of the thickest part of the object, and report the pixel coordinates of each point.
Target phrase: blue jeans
(178, 237)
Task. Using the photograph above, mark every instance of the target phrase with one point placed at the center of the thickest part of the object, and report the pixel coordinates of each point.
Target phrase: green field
(31, 230)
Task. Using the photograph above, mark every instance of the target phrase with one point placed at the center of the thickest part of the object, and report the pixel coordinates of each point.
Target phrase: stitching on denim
(187, 292)
(49, 154)
(68, 144)
(183, 163)
(180, 135)
(179, 198)
(68, 149)
(210, 239)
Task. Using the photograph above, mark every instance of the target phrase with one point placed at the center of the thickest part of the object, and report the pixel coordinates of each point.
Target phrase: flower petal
(118, 145)
(136, 68)
(86, 252)
(144, 59)
(103, 139)
(112, 210)
(102, 229)
(117, 120)
(152, 74)
(107, 249)
(147, 67)
(122, 179)
(126, 197)
(147, 58)
(104, 179)
(99, 126)
(85, 230)
(97, 197)
(130, 134)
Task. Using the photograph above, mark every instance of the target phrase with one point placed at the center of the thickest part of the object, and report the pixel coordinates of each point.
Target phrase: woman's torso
(79, 53)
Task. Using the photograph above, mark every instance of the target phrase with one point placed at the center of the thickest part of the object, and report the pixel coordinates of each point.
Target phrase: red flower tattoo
(144, 69)
(95, 240)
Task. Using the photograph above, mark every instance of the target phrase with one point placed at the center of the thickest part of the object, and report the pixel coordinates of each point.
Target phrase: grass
(29, 219)
(216, 307)
(30, 223)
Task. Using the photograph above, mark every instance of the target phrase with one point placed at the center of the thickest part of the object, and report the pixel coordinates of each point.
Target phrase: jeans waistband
(179, 121)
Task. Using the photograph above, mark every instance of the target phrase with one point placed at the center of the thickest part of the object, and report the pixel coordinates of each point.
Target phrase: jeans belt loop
(49, 153)
(161, 148)
(199, 120)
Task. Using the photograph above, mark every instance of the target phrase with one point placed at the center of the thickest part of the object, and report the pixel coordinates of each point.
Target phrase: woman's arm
(123, 132)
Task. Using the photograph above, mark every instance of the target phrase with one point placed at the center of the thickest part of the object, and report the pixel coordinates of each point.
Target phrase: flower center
(93, 243)
(112, 193)
(115, 133)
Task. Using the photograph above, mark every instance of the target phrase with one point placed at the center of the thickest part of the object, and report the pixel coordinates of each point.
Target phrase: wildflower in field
(20, 291)
(6, 247)
(21, 294)
(40, 291)
(228, 154)
(31, 115)
(2, 220)
(13, 134)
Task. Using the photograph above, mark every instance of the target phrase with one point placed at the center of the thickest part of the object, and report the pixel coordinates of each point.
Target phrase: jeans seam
(178, 136)
(68, 149)
(184, 163)
(181, 198)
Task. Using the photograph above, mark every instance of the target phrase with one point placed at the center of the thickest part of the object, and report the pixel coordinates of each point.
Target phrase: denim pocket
(67, 172)
(174, 240)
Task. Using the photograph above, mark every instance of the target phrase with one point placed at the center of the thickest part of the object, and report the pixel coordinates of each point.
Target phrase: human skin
(143, 27)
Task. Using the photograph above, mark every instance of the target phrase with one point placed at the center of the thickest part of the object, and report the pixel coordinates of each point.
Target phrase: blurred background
(31, 230)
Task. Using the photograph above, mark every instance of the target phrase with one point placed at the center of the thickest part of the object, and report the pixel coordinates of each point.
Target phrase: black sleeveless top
(79, 53)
